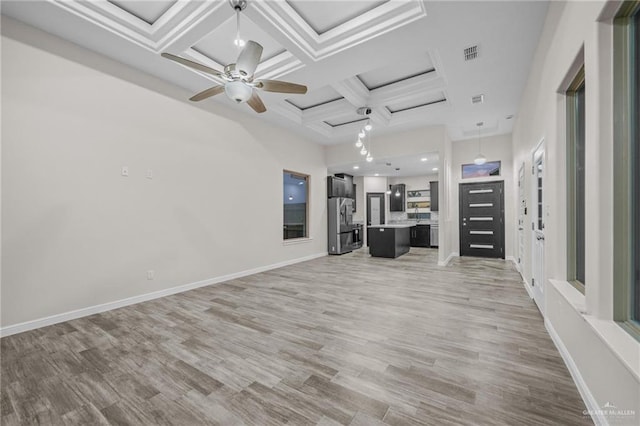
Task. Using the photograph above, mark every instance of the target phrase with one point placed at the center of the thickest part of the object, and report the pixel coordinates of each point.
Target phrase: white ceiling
(408, 165)
(403, 58)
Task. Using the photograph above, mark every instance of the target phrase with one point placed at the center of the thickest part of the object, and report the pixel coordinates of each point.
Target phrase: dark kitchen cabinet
(434, 195)
(336, 187)
(397, 198)
(356, 237)
(420, 236)
(349, 191)
(354, 198)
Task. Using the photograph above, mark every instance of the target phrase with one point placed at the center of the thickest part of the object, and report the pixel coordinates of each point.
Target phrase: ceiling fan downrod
(238, 6)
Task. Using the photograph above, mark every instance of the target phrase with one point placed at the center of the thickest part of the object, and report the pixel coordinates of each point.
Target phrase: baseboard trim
(448, 259)
(96, 309)
(527, 287)
(593, 409)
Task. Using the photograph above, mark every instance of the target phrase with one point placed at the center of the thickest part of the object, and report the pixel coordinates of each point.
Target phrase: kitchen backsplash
(403, 216)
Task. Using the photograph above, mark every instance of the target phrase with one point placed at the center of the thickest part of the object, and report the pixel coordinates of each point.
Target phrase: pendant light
(363, 142)
(480, 159)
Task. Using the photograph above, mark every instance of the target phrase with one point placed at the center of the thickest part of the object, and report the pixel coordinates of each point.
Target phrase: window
(576, 181)
(488, 169)
(296, 205)
(627, 167)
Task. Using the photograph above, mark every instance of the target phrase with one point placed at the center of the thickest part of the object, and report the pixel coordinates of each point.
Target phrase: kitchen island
(389, 240)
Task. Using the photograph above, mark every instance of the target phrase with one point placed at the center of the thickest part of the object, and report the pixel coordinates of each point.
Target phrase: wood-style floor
(341, 340)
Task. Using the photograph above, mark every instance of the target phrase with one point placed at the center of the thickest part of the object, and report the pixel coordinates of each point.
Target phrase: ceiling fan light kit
(238, 91)
(237, 79)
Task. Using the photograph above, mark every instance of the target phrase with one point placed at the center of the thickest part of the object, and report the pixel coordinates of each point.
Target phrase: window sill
(295, 241)
(571, 295)
(621, 343)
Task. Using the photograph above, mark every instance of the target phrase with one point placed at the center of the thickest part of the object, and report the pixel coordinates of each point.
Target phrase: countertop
(392, 225)
(414, 223)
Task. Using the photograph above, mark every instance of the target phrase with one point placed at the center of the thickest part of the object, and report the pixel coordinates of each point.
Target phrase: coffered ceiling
(403, 58)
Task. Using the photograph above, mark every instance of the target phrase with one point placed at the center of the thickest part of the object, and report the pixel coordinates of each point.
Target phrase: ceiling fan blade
(280, 86)
(249, 58)
(212, 91)
(194, 65)
(256, 103)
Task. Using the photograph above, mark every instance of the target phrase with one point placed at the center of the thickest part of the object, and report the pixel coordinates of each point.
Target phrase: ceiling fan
(237, 79)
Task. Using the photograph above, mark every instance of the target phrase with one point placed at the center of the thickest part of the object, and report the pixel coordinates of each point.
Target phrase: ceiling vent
(477, 99)
(471, 53)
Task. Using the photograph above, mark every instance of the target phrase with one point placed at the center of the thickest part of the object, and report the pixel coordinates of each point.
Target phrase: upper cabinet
(349, 191)
(434, 195)
(397, 198)
(336, 187)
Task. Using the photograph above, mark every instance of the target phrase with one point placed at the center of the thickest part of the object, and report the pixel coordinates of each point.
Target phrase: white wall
(78, 234)
(604, 359)
(495, 148)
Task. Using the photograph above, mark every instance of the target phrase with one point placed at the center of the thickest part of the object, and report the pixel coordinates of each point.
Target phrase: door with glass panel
(537, 267)
(375, 210)
(482, 219)
(522, 211)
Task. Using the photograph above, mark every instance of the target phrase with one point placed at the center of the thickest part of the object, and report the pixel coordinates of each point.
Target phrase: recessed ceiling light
(356, 167)
(377, 174)
(424, 159)
(435, 169)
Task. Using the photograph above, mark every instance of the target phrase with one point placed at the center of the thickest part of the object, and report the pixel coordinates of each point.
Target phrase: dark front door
(482, 219)
(375, 210)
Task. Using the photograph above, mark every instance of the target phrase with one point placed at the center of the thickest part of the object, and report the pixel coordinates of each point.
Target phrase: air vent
(471, 53)
(477, 99)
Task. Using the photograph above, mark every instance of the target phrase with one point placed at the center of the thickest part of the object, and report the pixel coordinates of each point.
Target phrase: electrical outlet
(125, 171)
(151, 274)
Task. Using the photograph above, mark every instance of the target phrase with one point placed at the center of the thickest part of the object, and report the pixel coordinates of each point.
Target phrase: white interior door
(537, 237)
(522, 208)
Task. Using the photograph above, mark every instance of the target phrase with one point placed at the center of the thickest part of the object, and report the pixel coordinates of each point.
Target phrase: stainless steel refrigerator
(340, 212)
